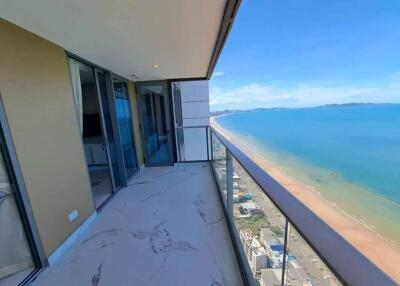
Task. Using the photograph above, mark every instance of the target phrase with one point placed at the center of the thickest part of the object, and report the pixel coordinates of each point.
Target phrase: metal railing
(277, 239)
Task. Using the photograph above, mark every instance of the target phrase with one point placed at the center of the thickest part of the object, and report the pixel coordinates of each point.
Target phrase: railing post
(229, 185)
(208, 147)
(285, 245)
(211, 145)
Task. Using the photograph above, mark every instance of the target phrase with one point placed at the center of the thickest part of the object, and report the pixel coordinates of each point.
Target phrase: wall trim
(55, 256)
(196, 101)
(230, 11)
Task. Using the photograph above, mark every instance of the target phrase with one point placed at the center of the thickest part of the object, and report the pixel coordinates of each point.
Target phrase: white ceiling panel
(127, 36)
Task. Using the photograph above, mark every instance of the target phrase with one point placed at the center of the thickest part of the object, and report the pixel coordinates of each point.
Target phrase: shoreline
(381, 251)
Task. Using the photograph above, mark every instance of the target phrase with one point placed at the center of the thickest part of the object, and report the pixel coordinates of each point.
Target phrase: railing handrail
(349, 264)
(193, 126)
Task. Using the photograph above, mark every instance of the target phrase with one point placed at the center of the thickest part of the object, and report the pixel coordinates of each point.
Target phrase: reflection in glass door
(180, 138)
(124, 117)
(156, 124)
(112, 148)
(16, 260)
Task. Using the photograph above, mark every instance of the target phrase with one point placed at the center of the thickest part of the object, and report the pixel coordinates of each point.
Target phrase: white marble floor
(165, 228)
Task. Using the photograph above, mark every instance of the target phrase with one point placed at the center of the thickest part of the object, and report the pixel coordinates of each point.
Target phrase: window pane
(303, 266)
(194, 145)
(219, 164)
(260, 226)
(125, 126)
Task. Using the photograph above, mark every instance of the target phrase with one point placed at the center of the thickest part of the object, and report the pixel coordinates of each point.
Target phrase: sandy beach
(384, 253)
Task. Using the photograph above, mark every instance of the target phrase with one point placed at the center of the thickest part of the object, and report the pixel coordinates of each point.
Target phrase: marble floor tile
(166, 228)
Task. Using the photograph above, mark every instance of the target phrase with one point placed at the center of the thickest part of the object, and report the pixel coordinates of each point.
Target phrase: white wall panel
(195, 91)
(191, 110)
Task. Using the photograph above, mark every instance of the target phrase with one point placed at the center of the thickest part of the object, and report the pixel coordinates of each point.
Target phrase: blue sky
(300, 53)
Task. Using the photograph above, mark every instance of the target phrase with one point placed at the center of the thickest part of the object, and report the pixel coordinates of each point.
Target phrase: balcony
(279, 240)
(166, 228)
(223, 221)
(216, 218)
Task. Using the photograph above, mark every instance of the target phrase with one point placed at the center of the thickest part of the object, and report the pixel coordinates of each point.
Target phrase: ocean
(349, 154)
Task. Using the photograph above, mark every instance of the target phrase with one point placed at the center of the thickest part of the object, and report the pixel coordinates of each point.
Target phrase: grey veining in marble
(96, 277)
(165, 228)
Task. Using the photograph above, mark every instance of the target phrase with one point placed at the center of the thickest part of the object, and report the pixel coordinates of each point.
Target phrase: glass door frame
(168, 112)
(21, 198)
(176, 97)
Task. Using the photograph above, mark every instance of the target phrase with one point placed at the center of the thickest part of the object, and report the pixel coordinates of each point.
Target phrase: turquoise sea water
(351, 154)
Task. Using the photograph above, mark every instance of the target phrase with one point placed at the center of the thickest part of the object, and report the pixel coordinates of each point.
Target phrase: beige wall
(135, 118)
(37, 95)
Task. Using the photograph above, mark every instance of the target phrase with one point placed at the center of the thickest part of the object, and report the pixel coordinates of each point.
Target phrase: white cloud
(218, 73)
(255, 95)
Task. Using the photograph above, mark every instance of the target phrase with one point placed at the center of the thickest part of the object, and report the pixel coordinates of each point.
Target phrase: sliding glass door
(89, 90)
(105, 119)
(124, 117)
(154, 106)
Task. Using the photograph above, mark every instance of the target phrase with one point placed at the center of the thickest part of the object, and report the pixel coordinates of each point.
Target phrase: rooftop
(271, 277)
(267, 235)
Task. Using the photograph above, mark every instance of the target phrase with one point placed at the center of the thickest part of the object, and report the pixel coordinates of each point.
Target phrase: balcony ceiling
(128, 36)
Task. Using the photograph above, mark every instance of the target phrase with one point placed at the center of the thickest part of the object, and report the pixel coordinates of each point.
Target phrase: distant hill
(348, 104)
(229, 111)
